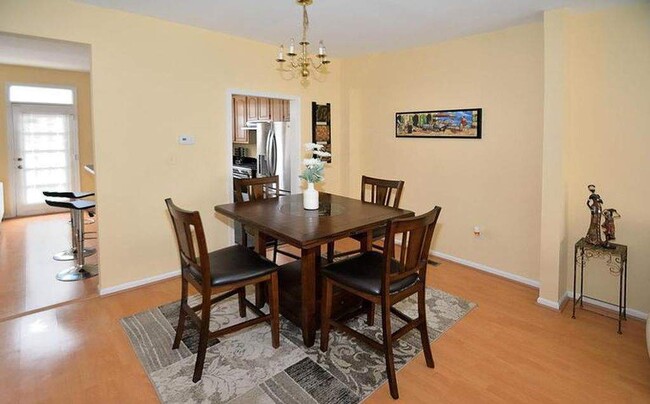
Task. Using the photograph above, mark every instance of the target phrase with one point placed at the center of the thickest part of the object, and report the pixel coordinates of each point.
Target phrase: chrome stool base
(77, 273)
(69, 255)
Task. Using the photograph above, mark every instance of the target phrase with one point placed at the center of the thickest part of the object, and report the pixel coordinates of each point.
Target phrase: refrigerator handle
(273, 157)
(268, 153)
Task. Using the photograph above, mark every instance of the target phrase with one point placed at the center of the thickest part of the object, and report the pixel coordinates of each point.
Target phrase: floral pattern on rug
(243, 367)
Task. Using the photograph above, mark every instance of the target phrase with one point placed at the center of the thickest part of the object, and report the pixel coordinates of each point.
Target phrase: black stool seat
(76, 205)
(68, 194)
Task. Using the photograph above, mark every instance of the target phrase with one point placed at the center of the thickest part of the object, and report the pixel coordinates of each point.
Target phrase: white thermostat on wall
(186, 139)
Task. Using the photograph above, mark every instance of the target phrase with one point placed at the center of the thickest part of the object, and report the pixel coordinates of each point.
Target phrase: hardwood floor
(27, 269)
(508, 349)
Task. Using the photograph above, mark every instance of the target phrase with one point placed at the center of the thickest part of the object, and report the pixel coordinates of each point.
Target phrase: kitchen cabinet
(239, 108)
(252, 112)
(280, 110)
(285, 110)
(263, 108)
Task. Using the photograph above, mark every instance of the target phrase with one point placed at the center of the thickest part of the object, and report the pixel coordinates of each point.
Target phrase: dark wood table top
(284, 218)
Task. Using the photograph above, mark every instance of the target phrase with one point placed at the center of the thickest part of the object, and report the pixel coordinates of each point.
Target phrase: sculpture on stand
(609, 228)
(595, 205)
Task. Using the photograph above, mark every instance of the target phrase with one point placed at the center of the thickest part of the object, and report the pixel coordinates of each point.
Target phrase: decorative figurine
(608, 226)
(595, 204)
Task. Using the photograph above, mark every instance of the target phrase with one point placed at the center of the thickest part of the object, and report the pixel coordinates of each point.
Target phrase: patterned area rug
(244, 368)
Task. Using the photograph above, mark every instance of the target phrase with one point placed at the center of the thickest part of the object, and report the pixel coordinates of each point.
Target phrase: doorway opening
(264, 138)
(47, 146)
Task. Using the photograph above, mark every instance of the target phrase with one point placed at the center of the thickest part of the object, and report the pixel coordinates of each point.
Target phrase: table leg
(310, 260)
(620, 300)
(260, 288)
(575, 270)
(366, 242)
(582, 276)
(624, 266)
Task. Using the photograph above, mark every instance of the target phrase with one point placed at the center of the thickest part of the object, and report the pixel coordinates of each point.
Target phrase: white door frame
(12, 207)
(295, 142)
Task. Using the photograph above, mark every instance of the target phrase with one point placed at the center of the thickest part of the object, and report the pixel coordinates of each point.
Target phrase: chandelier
(302, 62)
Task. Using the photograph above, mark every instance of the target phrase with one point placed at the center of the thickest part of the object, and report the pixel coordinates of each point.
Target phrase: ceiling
(47, 53)
(353, 27)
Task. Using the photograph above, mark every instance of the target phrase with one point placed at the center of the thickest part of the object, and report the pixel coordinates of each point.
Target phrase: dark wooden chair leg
(326, 312)
(180, 327)
(371, 314)
(275, 251)
(388, 347)
(241, 295)
(424, 332)
(274, 309)
(204, 331)
(330, 252)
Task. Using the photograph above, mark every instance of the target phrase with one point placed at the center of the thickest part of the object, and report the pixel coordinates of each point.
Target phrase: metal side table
(616, 259)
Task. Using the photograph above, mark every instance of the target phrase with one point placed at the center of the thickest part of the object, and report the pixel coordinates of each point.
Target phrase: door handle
(20, 167)
(19, 159)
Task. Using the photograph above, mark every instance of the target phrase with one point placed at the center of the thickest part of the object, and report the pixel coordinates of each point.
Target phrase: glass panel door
(45, 155)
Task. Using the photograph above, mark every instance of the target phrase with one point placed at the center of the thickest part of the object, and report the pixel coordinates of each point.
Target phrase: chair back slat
(257, 188)
(381, 192)
(416, 235)
(190, 237)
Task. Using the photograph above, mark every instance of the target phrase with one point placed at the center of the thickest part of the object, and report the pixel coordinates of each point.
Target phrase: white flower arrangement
(314, 166)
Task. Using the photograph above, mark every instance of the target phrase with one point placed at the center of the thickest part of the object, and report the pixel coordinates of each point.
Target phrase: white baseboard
(534, 283)
(612, 307)
(513, 277)
(140, 282)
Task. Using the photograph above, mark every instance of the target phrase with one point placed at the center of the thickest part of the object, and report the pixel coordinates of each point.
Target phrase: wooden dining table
(285, 219)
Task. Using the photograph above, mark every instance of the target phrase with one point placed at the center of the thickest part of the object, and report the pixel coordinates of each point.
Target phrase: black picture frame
(440, 124)
(321, 121)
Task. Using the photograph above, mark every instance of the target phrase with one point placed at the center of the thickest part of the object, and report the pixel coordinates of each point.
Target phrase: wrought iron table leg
(620, 300)
(582, 276)
(575, 270)
(625, 290)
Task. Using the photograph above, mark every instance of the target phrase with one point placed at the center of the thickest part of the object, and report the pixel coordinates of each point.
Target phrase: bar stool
(70, 253)
(80, 270)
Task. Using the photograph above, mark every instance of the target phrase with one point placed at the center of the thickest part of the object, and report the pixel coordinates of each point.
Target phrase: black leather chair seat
(364, 272)
(235, 264)
(78, 204)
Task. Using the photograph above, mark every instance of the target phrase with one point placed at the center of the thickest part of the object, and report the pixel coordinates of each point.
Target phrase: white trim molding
(551, 304)
(611, 307)
(481, 267)
(141, 282)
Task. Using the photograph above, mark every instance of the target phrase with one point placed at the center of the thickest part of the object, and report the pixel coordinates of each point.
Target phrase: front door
(44, 154)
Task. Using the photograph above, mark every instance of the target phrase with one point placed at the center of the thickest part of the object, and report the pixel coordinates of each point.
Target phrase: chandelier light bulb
(292, 48)
(280, 58)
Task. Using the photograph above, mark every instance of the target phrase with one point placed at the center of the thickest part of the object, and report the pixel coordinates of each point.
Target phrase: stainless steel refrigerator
(273, 154)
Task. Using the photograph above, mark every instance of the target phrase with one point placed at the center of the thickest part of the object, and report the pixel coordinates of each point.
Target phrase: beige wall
(31, 75)
(494, 182)
(152, 81)
(609, 138)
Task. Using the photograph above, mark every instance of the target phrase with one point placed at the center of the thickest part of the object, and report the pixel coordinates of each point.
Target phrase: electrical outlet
(186, 140)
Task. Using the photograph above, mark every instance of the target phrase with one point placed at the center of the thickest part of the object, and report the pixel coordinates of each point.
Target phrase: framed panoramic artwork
(444, 124)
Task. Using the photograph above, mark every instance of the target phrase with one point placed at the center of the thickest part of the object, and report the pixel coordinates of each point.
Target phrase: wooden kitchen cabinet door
(252, 112)
(277, 110)
(239, 118)
(264, 108)
(285, 110)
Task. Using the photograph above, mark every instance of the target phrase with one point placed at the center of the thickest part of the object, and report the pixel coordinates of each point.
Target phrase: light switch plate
(186, 140)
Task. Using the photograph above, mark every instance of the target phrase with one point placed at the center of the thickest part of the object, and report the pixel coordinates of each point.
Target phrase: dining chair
(378, 191)
(382, 279)
(257, 189)
(222, 273)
